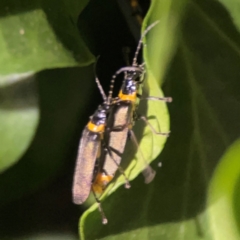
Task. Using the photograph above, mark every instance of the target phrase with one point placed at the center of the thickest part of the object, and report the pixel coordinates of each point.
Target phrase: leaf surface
(203, 79)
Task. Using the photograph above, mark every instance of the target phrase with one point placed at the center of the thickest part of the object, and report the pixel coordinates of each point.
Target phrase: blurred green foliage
(193, 54)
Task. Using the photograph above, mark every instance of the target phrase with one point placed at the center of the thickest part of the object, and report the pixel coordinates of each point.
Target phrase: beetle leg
(139, 117)
(127, 184)
(148, 172)
(104, 219)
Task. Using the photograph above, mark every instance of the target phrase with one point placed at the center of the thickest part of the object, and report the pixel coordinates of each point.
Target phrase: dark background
(49, 208)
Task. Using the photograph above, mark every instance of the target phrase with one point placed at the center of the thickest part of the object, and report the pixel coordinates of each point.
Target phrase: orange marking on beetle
(127, 97)
(95, 128)
(101, 182)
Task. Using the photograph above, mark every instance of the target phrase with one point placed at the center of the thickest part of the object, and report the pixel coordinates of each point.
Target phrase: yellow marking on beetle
(101, 182)
(95, 128)
(127, 97)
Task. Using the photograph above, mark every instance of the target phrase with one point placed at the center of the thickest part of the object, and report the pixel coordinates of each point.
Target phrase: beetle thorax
(99, 117)
(129, 86)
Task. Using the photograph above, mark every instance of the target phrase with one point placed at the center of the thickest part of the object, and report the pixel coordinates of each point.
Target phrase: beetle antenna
(110, 91)
(141, 42)
(98, 82)
(101, 89)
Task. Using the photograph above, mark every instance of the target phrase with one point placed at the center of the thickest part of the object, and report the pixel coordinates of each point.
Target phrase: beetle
(89, 152)
(121, 119)
(104, 138)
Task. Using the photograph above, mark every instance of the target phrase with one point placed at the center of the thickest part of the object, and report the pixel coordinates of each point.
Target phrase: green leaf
(233, 7)
(150, 144)
(62, 100)
(159, 52)
(48, 236)
(36, 35)
(203, 79)
(223, 199)
(19, 115)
